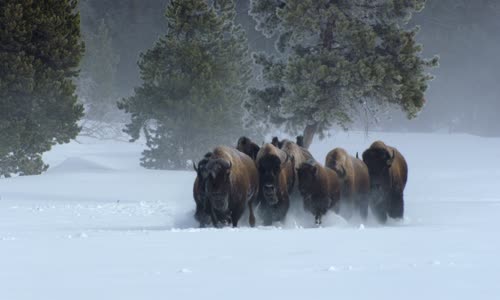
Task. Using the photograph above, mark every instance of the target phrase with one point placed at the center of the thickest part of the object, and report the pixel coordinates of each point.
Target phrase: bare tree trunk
(309, 132)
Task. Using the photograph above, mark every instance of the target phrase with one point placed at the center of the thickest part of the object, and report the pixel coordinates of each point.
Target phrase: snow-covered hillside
(98, 226)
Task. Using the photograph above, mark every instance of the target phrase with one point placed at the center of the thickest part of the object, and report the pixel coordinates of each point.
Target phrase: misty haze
(242, 149)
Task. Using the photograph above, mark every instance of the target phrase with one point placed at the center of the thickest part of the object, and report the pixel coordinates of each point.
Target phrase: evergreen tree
(194, 83)
(97, 85)
(40, 49)
(337, 57)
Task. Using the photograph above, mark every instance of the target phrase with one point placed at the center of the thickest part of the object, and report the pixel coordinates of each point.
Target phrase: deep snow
(98, 226)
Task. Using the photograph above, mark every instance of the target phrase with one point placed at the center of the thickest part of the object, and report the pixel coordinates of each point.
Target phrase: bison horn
(357, 156)
(225, 163)
(391, 158)
(343, 173)
(194, 167)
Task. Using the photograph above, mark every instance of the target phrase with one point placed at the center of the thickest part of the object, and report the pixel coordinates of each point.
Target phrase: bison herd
(265, 180)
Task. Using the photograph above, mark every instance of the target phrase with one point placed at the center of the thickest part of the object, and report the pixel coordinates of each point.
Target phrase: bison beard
(248, 147)
(276, 176)
(354, 179)
(231, 183)
(388, 175)
(319, 188)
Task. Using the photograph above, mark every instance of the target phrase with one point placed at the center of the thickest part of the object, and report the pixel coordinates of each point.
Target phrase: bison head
(337, 161)
(378, 161)
(217, 185)
(307, 173)
(269, 173)
(248, 147)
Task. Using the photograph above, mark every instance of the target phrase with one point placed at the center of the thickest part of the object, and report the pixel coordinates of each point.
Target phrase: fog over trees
(120, 35)
(463, 33)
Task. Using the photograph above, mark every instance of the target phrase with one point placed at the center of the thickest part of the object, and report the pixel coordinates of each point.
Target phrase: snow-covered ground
(98, 226)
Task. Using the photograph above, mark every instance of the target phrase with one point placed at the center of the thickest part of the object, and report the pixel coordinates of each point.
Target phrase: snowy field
(98, 226)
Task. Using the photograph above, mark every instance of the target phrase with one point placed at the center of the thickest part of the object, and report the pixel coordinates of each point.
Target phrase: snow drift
(98, 226)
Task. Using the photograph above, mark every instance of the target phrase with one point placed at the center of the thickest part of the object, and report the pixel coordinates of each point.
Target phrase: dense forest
(463, 33)
(187, 75)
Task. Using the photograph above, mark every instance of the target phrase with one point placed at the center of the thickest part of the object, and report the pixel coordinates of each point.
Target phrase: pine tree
(97, 85)
(194, 83)
(40, 50)
(336, 58)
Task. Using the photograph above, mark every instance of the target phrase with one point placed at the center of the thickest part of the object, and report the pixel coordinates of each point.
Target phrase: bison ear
(275, 142)
(342, 173)
(228, 167)
(256, 150)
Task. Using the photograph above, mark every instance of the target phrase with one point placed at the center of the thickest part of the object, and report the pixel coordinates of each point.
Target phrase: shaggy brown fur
(231, 184)
(388, 175)
(319, 188)
(354, 179)
(248, 147)
(299, 154)
(276, 176)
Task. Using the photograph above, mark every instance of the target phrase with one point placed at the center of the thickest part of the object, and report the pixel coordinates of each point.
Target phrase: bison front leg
(251, 216)
(237, 212)
(201, 216)
(317, 219)
(396, 205)
(213, 217)
(378, 205)
(362, 203)
(281, 208)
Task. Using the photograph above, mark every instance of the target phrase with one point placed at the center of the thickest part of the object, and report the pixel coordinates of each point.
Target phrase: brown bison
(299, 154)
(248, 147)
(319, 188)
(202, 214)
(354, 179)
(232, 183)
(388, 175)
(276, 180)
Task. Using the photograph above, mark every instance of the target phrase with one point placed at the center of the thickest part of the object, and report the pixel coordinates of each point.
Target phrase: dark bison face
(217, 185)
(202, 175)
(378, 162)
(307, 174)
(269, 172)
(248, 147)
